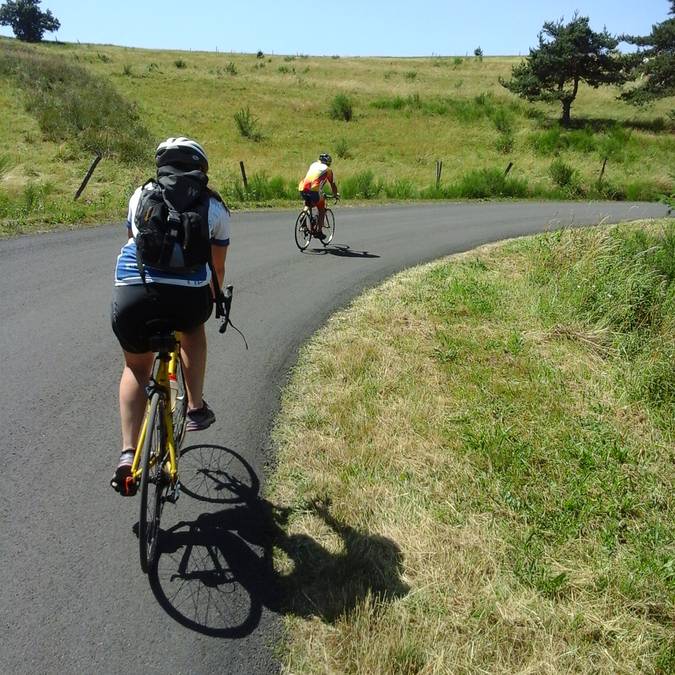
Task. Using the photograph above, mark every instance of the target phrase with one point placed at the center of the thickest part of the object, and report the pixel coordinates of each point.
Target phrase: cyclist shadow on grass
(216, 574)
(341, 251)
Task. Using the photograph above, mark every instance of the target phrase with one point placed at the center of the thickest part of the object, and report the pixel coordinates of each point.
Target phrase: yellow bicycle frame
(165, 370)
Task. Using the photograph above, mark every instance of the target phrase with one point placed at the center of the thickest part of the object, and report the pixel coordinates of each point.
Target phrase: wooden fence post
(508, 168)
(93, 165)
(602, 172)
(243, 175)
(439, 170)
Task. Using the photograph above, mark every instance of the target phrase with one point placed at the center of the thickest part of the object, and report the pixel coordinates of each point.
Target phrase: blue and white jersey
(126, 271)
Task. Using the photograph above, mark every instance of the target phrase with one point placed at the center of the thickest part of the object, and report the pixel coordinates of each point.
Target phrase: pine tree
(567, 55)
(653, 63)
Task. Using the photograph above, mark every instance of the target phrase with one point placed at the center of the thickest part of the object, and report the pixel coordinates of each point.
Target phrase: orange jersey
(317, 174)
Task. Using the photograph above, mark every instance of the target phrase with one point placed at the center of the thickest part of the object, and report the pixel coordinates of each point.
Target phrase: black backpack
(172, 219)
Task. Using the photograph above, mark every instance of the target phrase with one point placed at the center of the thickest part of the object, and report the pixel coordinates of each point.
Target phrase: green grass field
(407, 113)
(476, 461)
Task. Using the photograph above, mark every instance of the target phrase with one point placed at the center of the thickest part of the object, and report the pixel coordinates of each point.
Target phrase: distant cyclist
(182, 296)
(311, 188)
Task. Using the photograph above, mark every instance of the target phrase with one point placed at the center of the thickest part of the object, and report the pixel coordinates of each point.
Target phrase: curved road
(73, 597)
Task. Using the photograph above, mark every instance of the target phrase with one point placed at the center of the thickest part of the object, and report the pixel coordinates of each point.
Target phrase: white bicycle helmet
(182, 151)
(325, 158)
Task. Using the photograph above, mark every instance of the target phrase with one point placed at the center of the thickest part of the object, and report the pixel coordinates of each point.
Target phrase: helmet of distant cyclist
(325, 158)
(183, 152)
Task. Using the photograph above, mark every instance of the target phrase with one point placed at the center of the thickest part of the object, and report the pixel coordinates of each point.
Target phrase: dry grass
(496, 499)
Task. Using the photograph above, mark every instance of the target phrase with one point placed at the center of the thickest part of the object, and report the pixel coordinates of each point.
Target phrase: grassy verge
(482, 451)
(385, 120)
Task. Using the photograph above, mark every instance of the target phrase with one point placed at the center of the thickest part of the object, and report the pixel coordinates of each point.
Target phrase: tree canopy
(27, 20)
(567, 55)
(654, 62)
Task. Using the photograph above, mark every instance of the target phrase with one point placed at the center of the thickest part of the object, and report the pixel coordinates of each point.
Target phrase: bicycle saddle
(161, 337)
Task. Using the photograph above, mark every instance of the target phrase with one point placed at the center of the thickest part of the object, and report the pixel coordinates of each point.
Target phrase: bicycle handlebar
(225, 302)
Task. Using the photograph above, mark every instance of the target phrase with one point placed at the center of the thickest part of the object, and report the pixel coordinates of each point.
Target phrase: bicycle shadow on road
(216, 574)
(341, 251)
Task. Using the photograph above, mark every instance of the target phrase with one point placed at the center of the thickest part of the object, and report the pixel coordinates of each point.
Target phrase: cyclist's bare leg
(193, 351)
(322, 216)
(135, 376)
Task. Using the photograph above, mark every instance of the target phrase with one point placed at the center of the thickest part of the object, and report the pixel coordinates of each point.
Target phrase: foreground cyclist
(183, 296)
(311, 188)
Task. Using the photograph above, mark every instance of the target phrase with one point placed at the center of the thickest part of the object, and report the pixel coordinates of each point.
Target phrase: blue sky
(344, 27)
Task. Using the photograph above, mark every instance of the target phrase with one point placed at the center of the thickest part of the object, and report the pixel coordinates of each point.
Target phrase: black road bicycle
(306, 226)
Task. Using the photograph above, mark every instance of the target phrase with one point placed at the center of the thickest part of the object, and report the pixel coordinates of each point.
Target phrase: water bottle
(173, 386)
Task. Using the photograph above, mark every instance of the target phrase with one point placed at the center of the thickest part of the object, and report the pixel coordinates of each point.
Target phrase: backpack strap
(139, 262)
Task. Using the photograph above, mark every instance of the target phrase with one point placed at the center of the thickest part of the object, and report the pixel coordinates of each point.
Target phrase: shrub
(126, 70)
(614, 144)
(581, 140)
(231, 68)
(260, 55)
(179, 63)
(546, 142)
(394, 103)
(562, 174)
(248, 125)
(553, 140)
(457, 61)
(72, 104)
(361, 185)
(400, 189)
(410, 75)
(341, 108)
(504, 143)
(641, 191)
(490, 183)
(260, 187)
(342, 149)
(502, 120)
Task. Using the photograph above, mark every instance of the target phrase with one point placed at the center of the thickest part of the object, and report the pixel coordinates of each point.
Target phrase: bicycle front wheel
(154, 483)
(302, 234)
(328, 227)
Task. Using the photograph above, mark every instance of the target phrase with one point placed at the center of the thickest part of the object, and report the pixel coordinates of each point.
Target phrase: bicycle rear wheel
(179, 411)
(302, 234)
(328, 227)
(154, 483)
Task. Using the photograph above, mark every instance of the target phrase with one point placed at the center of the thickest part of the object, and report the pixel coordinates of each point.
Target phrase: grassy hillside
(407, 113)
(476, 460)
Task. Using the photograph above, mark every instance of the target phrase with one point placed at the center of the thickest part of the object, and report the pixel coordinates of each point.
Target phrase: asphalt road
(72, 596)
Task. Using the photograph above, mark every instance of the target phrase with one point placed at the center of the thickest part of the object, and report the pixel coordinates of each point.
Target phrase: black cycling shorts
(311, 198)
(184, 307)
